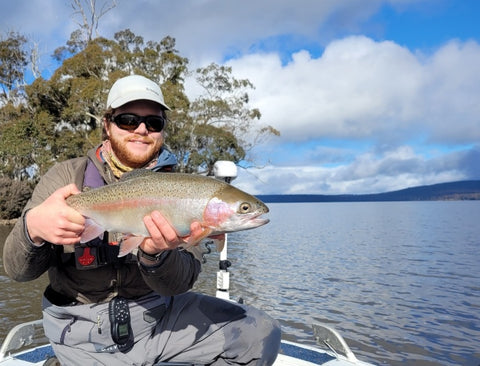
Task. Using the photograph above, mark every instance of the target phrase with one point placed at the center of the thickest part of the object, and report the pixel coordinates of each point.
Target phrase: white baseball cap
(134, 87)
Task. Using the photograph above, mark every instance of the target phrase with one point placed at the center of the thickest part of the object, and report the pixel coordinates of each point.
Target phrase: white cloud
(367, 173)
(451, 93)
(359, 88)
(207, 30)
(361, 106)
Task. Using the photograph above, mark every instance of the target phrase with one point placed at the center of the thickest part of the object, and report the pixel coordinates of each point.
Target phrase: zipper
(99, 324)
(66, 330)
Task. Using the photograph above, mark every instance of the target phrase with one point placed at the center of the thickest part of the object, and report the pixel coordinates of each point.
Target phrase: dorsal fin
(136, 173)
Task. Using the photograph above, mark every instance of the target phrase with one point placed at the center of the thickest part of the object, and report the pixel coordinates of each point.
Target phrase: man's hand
(163, 236)
(54, 221)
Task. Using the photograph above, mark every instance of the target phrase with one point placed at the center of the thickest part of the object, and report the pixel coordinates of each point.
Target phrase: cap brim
(138, 96)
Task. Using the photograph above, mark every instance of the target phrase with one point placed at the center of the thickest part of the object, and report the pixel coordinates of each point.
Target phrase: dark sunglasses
(130, 122)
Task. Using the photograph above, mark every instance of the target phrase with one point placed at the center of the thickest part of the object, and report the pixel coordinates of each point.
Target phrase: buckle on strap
(88, 255)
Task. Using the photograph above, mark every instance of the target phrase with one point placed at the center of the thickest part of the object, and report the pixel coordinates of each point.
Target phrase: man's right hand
(54, 221)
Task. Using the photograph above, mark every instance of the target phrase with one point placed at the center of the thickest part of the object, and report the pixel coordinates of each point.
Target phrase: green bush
(14, 195)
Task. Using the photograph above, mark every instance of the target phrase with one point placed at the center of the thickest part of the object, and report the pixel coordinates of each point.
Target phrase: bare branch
(90, 17)
(34, 60)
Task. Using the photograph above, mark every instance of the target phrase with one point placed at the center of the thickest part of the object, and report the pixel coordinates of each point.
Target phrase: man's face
(137, 147)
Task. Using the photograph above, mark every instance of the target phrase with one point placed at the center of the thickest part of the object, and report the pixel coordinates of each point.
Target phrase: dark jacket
(175, 273)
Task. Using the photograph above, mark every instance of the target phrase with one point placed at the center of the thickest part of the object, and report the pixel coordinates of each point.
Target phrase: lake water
(399, 280)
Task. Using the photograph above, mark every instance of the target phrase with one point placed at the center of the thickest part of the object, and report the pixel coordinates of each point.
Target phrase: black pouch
(94, 254)
(57, 298)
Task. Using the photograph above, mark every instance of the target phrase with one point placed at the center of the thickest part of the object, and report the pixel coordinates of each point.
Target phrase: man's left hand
(162, 235)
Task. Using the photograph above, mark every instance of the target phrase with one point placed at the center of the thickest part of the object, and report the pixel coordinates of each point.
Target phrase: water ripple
(399, 280)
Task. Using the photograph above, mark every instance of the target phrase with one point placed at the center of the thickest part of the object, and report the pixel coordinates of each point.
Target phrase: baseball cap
(134, 87)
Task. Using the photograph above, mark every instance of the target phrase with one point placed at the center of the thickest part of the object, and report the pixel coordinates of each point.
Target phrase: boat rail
(23, 336)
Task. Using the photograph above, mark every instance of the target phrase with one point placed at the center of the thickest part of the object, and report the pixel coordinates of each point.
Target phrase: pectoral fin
(195, 239)
(92, 231)
(219, 243)
(129, 243)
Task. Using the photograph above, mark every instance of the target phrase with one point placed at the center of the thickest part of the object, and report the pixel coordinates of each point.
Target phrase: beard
(131, 158)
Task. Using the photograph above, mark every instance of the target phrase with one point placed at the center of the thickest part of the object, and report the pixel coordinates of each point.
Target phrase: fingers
(69, 213)
(163, 235)
(68, 190)
(195, 229)
(165, 229)
(54, 221)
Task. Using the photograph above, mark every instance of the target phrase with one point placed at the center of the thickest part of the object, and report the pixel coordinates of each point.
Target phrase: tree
(13, 61)
(61, 116)
(13, 197)
(16, 133)
(223, 113)
(89, 12)
(90, 16)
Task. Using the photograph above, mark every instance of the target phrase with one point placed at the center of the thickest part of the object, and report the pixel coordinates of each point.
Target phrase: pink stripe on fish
(122, 204)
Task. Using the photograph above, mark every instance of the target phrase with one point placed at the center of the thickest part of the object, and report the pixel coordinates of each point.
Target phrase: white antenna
(226, 171)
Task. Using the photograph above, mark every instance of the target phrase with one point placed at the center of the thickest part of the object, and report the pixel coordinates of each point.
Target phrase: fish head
(234, 210)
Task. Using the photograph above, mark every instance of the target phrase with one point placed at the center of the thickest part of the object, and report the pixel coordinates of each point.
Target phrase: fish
(181, 198)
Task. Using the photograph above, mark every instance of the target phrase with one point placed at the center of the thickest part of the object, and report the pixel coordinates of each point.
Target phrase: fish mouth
(258, 220)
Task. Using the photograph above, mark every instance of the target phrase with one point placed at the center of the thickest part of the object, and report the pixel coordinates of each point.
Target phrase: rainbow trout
(181, 198)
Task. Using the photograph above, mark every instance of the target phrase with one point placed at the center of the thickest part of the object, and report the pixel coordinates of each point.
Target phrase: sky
(369, 96)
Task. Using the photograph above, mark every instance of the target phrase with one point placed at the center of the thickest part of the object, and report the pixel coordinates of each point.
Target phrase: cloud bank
(358, 112)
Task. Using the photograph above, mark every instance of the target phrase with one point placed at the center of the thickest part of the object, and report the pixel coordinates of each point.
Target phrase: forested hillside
(463, 190)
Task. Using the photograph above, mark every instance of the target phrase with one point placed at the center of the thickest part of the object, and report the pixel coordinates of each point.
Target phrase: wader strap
(92, 178)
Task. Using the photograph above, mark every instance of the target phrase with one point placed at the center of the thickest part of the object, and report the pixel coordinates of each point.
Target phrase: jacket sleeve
(175, 272)
(22, 260)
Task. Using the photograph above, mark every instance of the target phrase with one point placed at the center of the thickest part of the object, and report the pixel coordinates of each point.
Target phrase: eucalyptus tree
(61, 116)
(13, 63)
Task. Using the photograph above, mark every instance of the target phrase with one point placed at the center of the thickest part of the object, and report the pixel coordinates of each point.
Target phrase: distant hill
(463, 190)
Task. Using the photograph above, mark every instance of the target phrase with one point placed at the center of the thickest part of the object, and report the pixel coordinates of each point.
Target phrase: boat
(16, 350)
(26, 344)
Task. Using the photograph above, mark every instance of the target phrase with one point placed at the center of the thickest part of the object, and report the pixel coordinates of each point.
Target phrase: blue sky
(369, 95)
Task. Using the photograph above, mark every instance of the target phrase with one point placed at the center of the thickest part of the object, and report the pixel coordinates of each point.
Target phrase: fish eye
(244, 207)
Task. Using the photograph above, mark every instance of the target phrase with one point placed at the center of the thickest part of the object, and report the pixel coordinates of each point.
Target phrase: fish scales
(174, 185)
(137, 197)
(181, 198)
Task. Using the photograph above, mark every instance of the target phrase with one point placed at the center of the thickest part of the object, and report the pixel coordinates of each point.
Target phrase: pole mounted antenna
(226, 171)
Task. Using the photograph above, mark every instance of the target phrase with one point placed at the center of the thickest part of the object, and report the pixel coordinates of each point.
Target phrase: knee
(253, 340)
(271, 341)
(267, 337)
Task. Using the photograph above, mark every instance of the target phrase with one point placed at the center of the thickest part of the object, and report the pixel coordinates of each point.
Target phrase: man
(136, 310)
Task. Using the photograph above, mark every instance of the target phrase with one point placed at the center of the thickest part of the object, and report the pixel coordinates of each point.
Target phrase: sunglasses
(130, 122)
